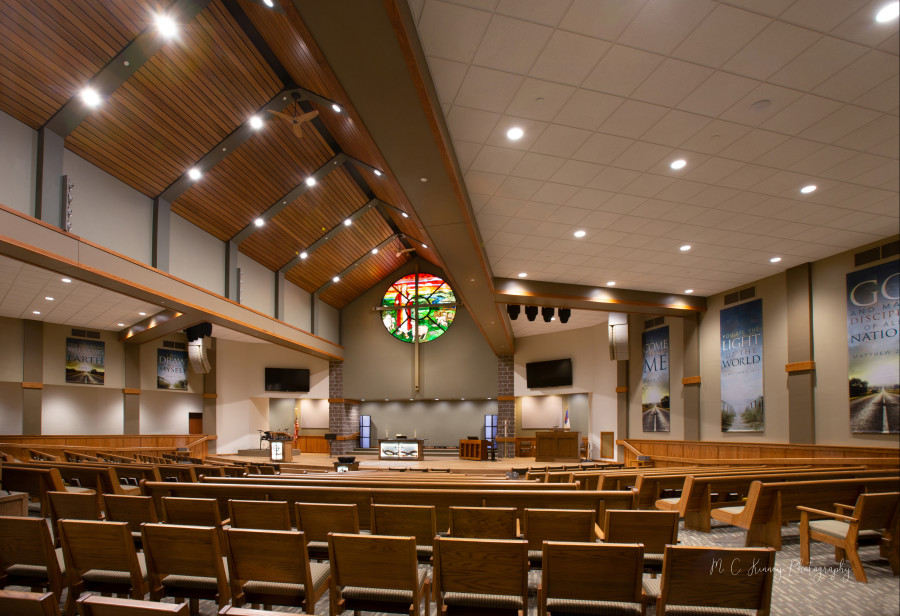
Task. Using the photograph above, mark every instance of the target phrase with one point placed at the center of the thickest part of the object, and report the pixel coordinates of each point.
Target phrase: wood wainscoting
(127, 445)
(717, 453)
(312, 443)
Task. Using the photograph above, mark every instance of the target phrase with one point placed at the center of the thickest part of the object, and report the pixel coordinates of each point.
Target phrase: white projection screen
(313, 413)
(540, 412)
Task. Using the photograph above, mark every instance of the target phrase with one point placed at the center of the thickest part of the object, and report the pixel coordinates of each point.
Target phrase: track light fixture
(531, 312)
(513, 311)
(547, 313)
(564, 314)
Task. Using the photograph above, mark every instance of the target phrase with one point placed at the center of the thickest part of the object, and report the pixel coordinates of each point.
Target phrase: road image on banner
(655, 380)
(85, 361)
(873, 320)
(171, 369)
(743, 408)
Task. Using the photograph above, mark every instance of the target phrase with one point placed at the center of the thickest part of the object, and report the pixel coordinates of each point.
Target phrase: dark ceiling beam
(613, 299)
(256, 39)
(122, 66)
(355, 264)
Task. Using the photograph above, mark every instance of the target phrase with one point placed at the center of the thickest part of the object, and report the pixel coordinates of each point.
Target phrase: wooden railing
(126, 445)
(716, 453)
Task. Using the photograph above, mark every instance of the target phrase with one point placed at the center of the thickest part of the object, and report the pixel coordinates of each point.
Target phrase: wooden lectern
(557, 446)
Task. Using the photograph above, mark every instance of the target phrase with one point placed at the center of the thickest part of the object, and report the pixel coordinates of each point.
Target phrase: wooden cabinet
(557, 446)
(470, 449)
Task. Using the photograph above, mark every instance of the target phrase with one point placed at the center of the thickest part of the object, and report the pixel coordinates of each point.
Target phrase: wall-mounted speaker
(197, 355)
(531, 312)
(513, 311)
(547, 313)
(618, 336)
(564, 314)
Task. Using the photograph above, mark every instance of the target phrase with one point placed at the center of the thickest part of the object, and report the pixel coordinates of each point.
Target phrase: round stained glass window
(418, 307)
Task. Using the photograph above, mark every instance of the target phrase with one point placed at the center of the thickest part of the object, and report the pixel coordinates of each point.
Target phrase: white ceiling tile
(448, 76)
(771, 50)
(856, 166)
(765, 101)
(539, 100)
(781, 183)
(670, 82)
(663, 24)
(550, 192)
(547, 12)
(518, 188)
(632, 119)
(465, 153)
(487, 89)
(568, 58)
(537, 211)
(452, 32)
(589, 198)
(518, 225)
(887, 148)
(602, 149)
(821, 15)
(713, 170)
(558, 140)
(471, 125)
(569, 216)
(681, 191)
(747, 176)
(717, 94)
(511, 45)
(877, 131)
(587, 109)
(531, 128)
(789, 152)
(822, 159)
(817, 63)
(884, 97)
(801, 114)
(575, 172)
(720, 35)
(622, 70)
(483, 183)
(647, 185)
(642, 156)
(622, 204)
(675, 128)
(496, 160)
(538, 166)
(507, 239)
(603, 19)
(837, 193)
(715, 137)
(491, 222)
(892, 44)
(865, 73)
(613, 179)
(880, 175)
(653, 208)
(753, 145)
(553, 230)
(712, 196)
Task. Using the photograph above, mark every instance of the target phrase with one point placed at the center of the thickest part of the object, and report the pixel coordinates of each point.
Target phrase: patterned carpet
(825, 588)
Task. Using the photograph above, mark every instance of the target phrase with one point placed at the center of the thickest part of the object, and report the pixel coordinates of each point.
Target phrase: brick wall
(506, 409)
(343, 417)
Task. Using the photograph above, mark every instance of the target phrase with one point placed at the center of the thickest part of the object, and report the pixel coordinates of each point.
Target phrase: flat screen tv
(287, 379)
(553, 373)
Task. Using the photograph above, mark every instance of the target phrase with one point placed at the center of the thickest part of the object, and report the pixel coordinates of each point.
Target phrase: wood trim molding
(343, 401)
(210, 396)
(30, 385)
(131, 391)
(622, 389)
(800, 366)
(690, 380)
(506, 398)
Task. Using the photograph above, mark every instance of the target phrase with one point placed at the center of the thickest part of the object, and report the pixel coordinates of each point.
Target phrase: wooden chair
(484, 522)
(541, 525)
(95, 605)
(591, 578)
(738, 578)
(376, 573)
(185, 561)
(72, 506)
(27, 557)
(100, 557)
(405, 520)
(654, 529)
(316, 520)
(481, 576)
(263, 515)
(869, 518)
(29, 603)
(195, 512)
(134, 510)
(272, 567)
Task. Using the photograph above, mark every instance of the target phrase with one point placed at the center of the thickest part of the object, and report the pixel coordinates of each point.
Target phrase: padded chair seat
(731, 510)
(564, 607)
(671, 501)
(468, 599)
(689, 610)
(425, 550)
(318, 571)
(651, 586)
(103, 576)
(35, 571)
(838, 529)
(653, 560)
(384, 595)
(80, 490)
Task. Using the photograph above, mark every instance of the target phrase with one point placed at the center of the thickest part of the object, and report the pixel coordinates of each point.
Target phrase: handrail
(629, 447)
(348, 437)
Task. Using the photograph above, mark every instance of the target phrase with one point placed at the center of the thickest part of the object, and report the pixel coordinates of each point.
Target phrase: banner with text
(85, 360)
(171, 369)
(743, 406)
(872, 340)
(655, 380)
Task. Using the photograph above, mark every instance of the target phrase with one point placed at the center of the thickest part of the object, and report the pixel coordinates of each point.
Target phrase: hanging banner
(655, 380)
(171, 369)
(85, 361)
(743, 408)
(872, 341)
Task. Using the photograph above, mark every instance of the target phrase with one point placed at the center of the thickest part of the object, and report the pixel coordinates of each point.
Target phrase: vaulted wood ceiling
(226, 64)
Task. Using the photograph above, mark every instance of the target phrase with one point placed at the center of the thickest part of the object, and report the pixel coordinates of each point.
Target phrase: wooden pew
(413, 483)
(701, 494)
(770, 505)
(35, 481)
(625, 479)
(75, 456)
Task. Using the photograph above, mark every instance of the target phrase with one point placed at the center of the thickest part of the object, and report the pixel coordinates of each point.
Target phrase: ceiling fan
(296, 118)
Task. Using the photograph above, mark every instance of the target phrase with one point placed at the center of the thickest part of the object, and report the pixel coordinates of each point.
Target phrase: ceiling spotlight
(888, 12)
(531, 312)
(611, 283)
(347, 222)
(166, 26)
(310, 181)
(404, 214)
(374, 251)
(580, 233)
(688, 291)
(143, 314)
(378, 173)
(91, 97)
(523, 274)
(120, 324)
(66, 280)
(564, 314)
(808, 189)
(259, 222)
(547, 313)
(256, 122)
(678, 164)
(35, 312)
(269, 3)
(774, 259)
(194, 174)
(515, 133)
(685, 248)
(303, 255)
(48, 298)
(335, 279)
(512, 311)
(424, 245)
(336, 108)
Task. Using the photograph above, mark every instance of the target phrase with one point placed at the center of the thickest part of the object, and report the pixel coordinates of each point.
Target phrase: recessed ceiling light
(91, 97)
(143, 314)
(256, 122)
(194, 174)
(347, 222)
(437, 398)
(424, 245)
(335, 279)
(611, 283)
(259, 222)
(580, 233)
(374, 251)
(774, 259)
(888, 12)
(303, 255)
(808, 189)
(310, 181)
(336, 108)
(688, 291)
(523, 274)
(166, 26)
(120, 325)
(488, 398)
(515, 133)
(269, 3)
(404, 214)
(423, 179)
(678, 164)
(66, 280)
(685, 248)
(48, 298)
(378, 173)
(35, 312)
